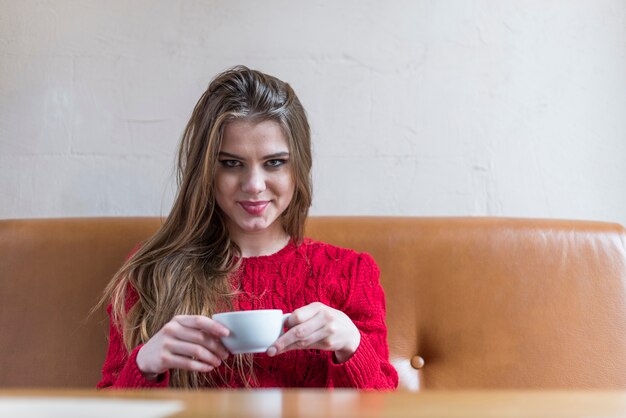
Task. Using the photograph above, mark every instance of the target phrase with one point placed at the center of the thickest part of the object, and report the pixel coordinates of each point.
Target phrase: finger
(203, 323)
(217, 347)
(298, 333)
(192, 335)
(193, 351)
(318, 340)
(195, 336)
(304, 313)
(185, 363)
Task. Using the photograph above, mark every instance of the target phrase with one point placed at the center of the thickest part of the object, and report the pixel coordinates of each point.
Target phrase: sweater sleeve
(120, 367)
(369, 367)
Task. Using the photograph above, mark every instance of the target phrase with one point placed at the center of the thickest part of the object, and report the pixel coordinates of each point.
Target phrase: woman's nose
(253, 181)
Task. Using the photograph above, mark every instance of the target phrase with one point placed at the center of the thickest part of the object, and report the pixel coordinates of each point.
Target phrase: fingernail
(271, 351)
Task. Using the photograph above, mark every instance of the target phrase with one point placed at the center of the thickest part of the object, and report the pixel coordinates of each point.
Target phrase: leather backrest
(486, 302)
(498, 303)
(52, 272)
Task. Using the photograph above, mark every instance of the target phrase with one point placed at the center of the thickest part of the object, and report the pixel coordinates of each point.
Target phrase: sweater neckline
(278, 254)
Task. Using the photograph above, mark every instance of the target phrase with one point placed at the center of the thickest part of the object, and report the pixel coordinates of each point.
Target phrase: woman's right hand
(188, 342)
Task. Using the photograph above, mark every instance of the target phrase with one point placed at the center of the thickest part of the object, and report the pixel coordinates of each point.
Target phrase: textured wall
(513, 108)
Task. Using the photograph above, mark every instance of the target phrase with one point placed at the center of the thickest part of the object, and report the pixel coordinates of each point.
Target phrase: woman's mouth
(254, 207)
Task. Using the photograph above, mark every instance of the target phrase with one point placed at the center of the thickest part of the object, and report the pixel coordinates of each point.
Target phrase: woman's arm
(369, 366)
(355, 334)
(120, 367)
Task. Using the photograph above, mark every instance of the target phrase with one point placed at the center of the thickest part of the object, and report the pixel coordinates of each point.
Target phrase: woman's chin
(255, 226)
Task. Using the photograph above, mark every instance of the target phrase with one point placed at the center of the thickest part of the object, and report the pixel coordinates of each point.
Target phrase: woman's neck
(260, 243)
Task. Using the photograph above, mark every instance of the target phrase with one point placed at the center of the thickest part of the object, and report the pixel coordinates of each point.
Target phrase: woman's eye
(275, 163)
(230, 163)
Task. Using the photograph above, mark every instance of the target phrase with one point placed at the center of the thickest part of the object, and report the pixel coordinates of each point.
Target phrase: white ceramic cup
(251, 331)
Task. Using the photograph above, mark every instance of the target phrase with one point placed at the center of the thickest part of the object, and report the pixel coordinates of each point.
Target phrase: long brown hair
(183, 269)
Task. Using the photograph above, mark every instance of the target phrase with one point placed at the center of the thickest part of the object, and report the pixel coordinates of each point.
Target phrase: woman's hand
(189, 342)
(320, 327)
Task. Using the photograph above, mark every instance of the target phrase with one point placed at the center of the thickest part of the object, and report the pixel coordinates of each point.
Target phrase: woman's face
(254, 184)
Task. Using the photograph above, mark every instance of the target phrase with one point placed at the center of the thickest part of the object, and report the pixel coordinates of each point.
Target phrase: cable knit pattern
(289, 279)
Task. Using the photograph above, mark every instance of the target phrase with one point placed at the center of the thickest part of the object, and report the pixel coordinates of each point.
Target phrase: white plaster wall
(503, 108)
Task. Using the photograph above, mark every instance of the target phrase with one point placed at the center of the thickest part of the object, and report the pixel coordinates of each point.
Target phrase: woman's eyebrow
(228, 154)
(281, 154)
(277, 155)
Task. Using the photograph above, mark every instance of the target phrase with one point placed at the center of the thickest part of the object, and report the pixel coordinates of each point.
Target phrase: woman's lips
(254, 208)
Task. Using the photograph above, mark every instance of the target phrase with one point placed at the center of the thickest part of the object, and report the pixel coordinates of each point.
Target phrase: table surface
(349, 403)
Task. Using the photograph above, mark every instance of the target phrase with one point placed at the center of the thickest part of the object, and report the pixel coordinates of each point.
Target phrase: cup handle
(285, 318)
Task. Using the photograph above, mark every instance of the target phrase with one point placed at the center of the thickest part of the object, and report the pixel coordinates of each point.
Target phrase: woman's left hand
(319, 327)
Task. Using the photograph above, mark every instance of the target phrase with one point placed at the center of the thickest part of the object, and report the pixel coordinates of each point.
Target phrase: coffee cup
(251, 331)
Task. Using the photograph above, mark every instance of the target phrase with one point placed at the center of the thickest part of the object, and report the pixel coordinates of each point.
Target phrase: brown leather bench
(471, 302)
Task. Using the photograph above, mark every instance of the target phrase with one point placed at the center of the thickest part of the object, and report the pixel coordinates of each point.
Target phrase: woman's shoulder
(342, 272)
(323, 251)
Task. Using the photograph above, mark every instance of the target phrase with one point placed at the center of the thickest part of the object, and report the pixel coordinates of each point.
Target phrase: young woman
(234, 241)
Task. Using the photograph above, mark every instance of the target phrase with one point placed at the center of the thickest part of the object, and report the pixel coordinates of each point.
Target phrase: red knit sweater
(289, 279)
